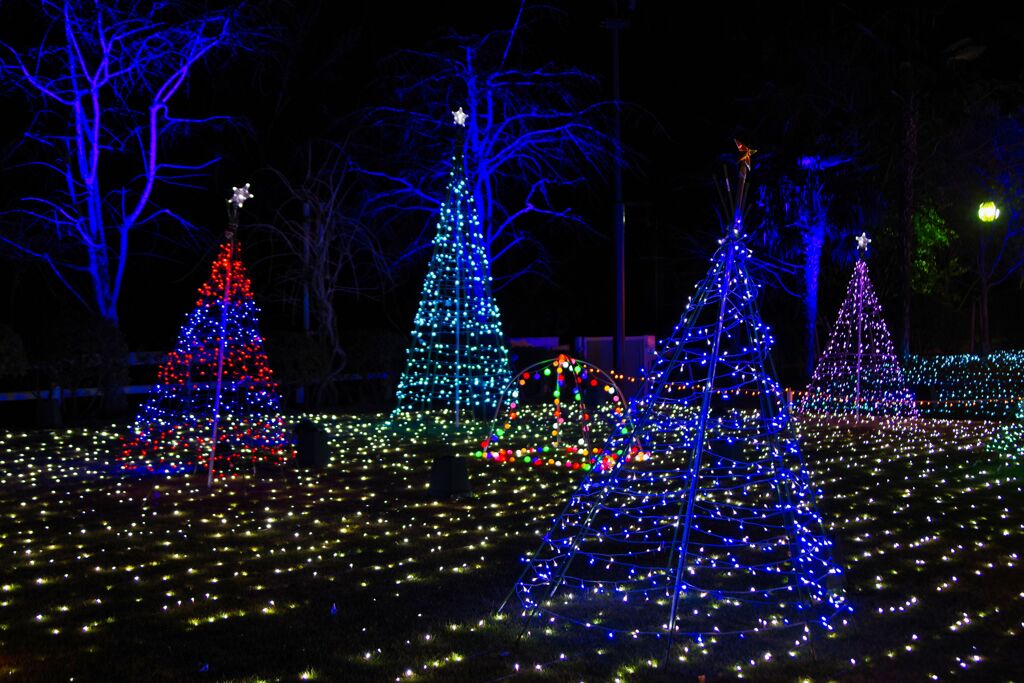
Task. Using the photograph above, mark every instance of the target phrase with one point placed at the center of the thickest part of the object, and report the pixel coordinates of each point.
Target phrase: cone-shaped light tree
(457, 359)
(216, 404)
(709, 525)
(859, 373)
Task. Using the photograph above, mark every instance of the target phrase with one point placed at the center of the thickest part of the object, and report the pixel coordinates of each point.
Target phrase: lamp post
(988, 212)
(616, 25)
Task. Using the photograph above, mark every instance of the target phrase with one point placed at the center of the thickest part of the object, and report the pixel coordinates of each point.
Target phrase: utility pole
(616, 25)
(300, 393)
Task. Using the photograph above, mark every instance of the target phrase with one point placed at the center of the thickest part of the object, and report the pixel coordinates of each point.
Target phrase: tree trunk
(814, 242)
(114, 371)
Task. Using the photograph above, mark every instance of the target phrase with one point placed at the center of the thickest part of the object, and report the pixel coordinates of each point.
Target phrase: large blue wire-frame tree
(711, 527)
(457, 359)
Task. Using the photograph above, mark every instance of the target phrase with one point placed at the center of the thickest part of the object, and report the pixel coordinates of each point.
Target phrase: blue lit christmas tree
(858, 373)
(710, 526)
(216, 392)
(457, 360)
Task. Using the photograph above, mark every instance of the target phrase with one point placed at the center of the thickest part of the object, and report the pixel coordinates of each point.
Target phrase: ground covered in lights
(355, 574)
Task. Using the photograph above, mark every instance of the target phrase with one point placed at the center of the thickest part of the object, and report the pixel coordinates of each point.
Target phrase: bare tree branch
(532, 133)
(105, 74)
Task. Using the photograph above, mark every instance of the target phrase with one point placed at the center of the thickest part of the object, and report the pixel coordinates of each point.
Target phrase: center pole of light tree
(860, 343)
(458, 330)
(862, 247)
(459, 117)
(731, 242)
(238, 197)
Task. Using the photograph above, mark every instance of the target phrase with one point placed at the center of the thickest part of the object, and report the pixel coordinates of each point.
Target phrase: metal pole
(300, 393)
(232, 225)
(619, 208)
(860, 331)
(730, 243)
(698, 448)
(238, 198)
(458, 327)
(986, 342)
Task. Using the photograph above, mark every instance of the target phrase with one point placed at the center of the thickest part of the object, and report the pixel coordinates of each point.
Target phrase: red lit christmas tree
(216, 386)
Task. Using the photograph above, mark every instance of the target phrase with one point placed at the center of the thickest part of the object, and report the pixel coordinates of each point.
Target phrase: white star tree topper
(460, 117)
(240, 195)
(863, 241)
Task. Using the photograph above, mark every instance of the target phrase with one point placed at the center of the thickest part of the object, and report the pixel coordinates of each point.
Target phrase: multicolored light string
(970, 386)
(559, 413)
(930, 523)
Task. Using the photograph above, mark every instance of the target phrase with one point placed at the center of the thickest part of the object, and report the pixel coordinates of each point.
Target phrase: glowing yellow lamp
(988, 211)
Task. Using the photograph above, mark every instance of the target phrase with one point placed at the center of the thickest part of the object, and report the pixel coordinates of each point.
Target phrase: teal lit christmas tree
(457, 360)
(859, 373)
(216, 395)
(708, 525)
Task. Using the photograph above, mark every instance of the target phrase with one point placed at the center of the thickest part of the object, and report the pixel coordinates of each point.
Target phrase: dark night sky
(694, 75)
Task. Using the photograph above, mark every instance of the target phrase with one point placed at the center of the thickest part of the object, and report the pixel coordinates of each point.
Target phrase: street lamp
(988, 212)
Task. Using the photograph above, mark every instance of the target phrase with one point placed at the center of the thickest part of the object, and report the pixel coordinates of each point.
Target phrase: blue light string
(756, 548)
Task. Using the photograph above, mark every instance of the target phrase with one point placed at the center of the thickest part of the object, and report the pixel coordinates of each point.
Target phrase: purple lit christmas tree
(859, 373)
(216, 393)
(708, 524)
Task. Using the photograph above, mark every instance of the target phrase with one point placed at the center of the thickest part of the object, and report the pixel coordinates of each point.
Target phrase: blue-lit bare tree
(101, 77)
(531, 132)
(796, 227)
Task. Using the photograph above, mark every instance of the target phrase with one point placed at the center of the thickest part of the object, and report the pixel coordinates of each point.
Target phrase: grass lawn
(354, 574)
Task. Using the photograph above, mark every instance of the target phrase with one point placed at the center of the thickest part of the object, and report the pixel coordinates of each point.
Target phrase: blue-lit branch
(104, 74)
(529, 131)
(796, 229)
